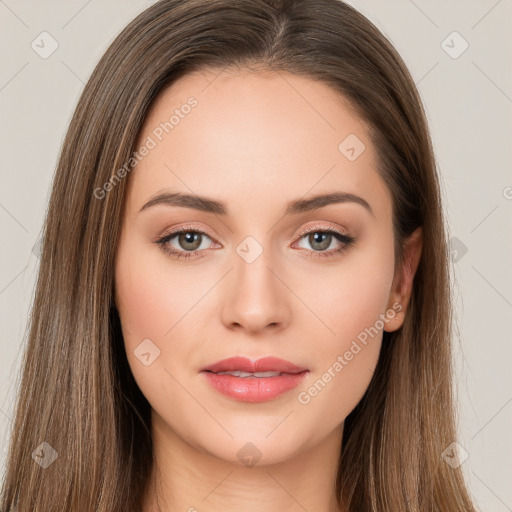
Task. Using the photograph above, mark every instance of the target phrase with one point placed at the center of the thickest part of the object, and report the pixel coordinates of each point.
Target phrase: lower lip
(254, 389)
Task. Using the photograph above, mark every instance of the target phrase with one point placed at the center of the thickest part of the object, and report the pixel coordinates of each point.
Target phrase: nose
(256, 298)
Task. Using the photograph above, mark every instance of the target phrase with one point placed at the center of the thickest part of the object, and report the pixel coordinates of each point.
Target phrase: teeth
(246, 374)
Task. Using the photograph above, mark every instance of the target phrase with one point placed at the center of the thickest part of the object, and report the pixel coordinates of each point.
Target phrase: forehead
(246, 137)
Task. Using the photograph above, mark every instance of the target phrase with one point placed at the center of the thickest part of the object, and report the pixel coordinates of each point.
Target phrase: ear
(401, 288)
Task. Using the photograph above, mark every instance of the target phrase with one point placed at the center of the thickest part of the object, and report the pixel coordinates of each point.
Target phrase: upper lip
(244, 364)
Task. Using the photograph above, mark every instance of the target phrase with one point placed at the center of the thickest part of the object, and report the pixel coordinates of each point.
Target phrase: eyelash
(345, 239)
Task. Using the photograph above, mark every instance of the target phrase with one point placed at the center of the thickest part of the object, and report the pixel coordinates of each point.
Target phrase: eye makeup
(311, 232)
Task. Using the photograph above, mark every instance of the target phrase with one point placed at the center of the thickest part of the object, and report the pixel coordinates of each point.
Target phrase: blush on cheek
(143, 297)
(155, 304)
(354, 314)
(347, 307)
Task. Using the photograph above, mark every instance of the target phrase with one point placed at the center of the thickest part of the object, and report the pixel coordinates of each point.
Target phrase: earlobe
(402, 283)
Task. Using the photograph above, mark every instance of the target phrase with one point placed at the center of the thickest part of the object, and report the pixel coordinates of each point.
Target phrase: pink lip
(254, 389)
(244, 364)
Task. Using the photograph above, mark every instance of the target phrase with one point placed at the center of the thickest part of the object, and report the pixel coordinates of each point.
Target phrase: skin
(255, 141)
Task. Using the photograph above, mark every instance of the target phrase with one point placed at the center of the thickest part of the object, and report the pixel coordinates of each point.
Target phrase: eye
(185, 243)
(321, 238)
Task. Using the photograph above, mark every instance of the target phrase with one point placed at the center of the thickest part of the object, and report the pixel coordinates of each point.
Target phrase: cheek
(139, 299)
(348, 298)
(151, 298)
(152, 303)
(344, 362)
(351, 302)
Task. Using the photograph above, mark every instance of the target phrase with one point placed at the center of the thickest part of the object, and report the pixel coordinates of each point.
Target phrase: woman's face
(259, 270)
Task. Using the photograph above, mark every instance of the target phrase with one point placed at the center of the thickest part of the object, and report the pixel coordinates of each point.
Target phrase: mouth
(244, 375)
(246, 380)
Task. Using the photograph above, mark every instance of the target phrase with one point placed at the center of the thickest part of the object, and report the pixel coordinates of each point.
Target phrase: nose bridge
(257, 297)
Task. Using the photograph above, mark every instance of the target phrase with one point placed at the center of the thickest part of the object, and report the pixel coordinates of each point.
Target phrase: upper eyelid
(185, 229)
(322, 227)
(300, 234)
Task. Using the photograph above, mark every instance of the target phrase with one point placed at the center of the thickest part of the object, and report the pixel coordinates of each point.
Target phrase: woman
(243, 299)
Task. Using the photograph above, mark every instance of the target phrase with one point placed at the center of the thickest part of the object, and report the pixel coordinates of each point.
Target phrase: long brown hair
(77, 392)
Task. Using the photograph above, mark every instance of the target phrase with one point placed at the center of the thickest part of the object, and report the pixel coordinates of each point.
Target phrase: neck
(187, 478)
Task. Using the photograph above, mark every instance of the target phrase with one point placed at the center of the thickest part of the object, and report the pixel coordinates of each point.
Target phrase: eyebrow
(206, 204)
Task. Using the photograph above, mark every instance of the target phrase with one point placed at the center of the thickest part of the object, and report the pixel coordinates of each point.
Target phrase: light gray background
(468, 100)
